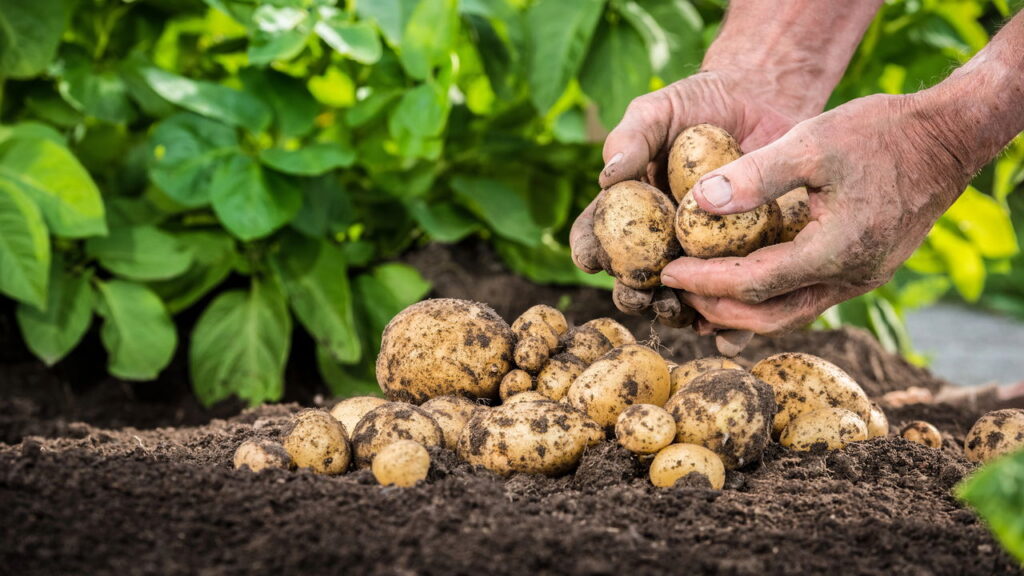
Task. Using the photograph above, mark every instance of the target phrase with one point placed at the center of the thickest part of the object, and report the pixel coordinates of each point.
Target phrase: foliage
(996, 491)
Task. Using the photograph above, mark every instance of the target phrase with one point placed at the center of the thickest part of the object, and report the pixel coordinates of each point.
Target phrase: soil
(103, 477)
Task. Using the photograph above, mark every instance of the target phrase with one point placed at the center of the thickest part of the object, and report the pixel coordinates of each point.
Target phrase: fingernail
(608, 167)
(668, 280)
(716, 190)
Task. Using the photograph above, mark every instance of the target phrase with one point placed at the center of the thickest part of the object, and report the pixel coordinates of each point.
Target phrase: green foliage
(997, 493)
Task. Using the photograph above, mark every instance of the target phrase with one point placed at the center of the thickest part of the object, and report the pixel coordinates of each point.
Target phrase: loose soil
(111, 478)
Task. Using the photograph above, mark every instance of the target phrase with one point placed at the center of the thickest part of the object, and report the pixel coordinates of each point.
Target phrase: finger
(670, 311)
(637, 139)
(776, 316)
(583, 244)
(630, 300)
(731, 342)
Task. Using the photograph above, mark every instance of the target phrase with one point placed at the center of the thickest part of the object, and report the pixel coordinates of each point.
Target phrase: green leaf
(984, 222)
(422, 112)
(390, 16)
(963, 262)
(24, 247)
(340, 381)
(240, 344)
(369, 108)
(140, 253)
(315, 278)
(501, 206)
(429, 37)
(923, 292)
(404, 282)
(617, 69)
(294, 107)
(185, 152)
(208, 99)
(386, 291)
(29, 35)
(31, 131)
(137, 331)
(356, 40)
(213, 254)
(549, 263)
(443, 221)
(671, 30)
(997, 493)
(99, 93)
(310, 160)
(51, 175)
(251, 202)
(281, 33)
(52, 332)
(559, 35)
(327, 208)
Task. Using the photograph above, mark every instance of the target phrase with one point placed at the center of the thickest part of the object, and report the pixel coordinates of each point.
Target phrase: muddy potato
(633, 222)
(632, 374)
(531, 353)
(392, 422)
(795, 206)
(514, 382)
(685, 373)
(351, 410)
(533, 437)
(317, 441)
(444, 347)
(403, 463)
(921, 432)
(727, 411)
(645, 428)
(995, 434)
(537, 333)
(617, 334)
(803, 383)
(878, 423)
(586, 343)
(827, 428)
(695, 152)
(528, 396)
(451, 413)
(259, 455)
(679, 460)
(555, 378)
(706, 235)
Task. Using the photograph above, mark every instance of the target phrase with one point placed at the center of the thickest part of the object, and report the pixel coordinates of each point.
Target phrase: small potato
(645, 428)
(403, 463)
(878, 423)
(827, 428)
(633, 223)
(532, 437)
(555, 378)
(706, 235)
(444, 347)
(685, 373)
(617, 334)
(317, 441)
(796, 213)
(257, 455)
(392, 422)
(537, 332)
(531, 353)
(351, 410)
(528, 396)
(697, 151)
(451, 413)
(921, 432)
(803, 383)
(515, 382)
(727, 411)
(586, 343)
(632, 374)
(679, 460)
(995, 434)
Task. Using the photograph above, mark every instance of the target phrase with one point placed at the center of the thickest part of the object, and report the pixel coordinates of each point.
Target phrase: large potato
(680, 460)
(706, 235)
(697, 151)
(645, 428)
(827, 428)
(803, 383)
(351, 410)
(555, 378)
(532, 437)
(451, 413)
(727, 411)
(390, 423)
(315, 440)
(995, 434)
(632, 374)
(444, 347)
(633, 223)
(795, 206)
(537, 332)
(685, 373)
(616, 333)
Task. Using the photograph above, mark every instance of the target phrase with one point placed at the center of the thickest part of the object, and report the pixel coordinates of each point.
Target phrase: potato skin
(555, 378)
(727, 411)
(531, 437)
(921, 432)
(617, 334)
(392, 422)
(451, 413)
(514, 382)
(257, 455)
(878, 422)
(795, 206)
(351, 410)
(632, 374)
(317, 441)
(404, 463)
(685, 373)
(586, 343)
(444, 347)
(633, 222)
(537, 332)
(645, 428)
(803, 383)
(827, 428)
(697, 151)
(528, 396)
(679, 460)
(706, 235)
(995, 434)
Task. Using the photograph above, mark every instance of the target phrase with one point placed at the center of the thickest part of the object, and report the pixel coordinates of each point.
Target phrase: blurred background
(214, 179)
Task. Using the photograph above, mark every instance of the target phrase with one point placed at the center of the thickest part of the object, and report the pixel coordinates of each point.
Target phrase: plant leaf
(310, 160)
(213, 255)
(140, 253)
(51, 333)
(422, 112)
(208, 99)
(997, 493)
(294, 107)
(429, 36)
(24, 247)
(390, 16)
(29, 35)
(250, 202)
(559, 35)
(356, 40)
(281, 33)
(137, 330)
(501, 206)
(617, 69)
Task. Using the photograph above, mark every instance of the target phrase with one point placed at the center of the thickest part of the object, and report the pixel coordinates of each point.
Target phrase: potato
(645, 428)
(632, 374)
(515, 382)
(878, 423)
(392, 422)
(586, 343)
(995, 434)
(616, 333)
(921, 432)
(317, 441)
(679, 460)
(728, 412)
(451, 413)
(795, 206)
(257, 455)
(528, 396)
(444, 347)
(537, 333)
(803, 383)
(555, 378)
(697, 151)
(402, 463)
(706, 235)
(351, 410)
(685, 373)
(827, 428)
(531, 353)
(633, 222)
(532, 437)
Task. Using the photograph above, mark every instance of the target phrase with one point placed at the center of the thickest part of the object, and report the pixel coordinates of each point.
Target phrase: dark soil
(102, 498)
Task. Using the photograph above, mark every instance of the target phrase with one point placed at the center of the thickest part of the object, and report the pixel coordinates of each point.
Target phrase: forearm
(801, 47)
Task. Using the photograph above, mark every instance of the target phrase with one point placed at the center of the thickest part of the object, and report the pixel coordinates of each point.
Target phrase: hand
(880, 171)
